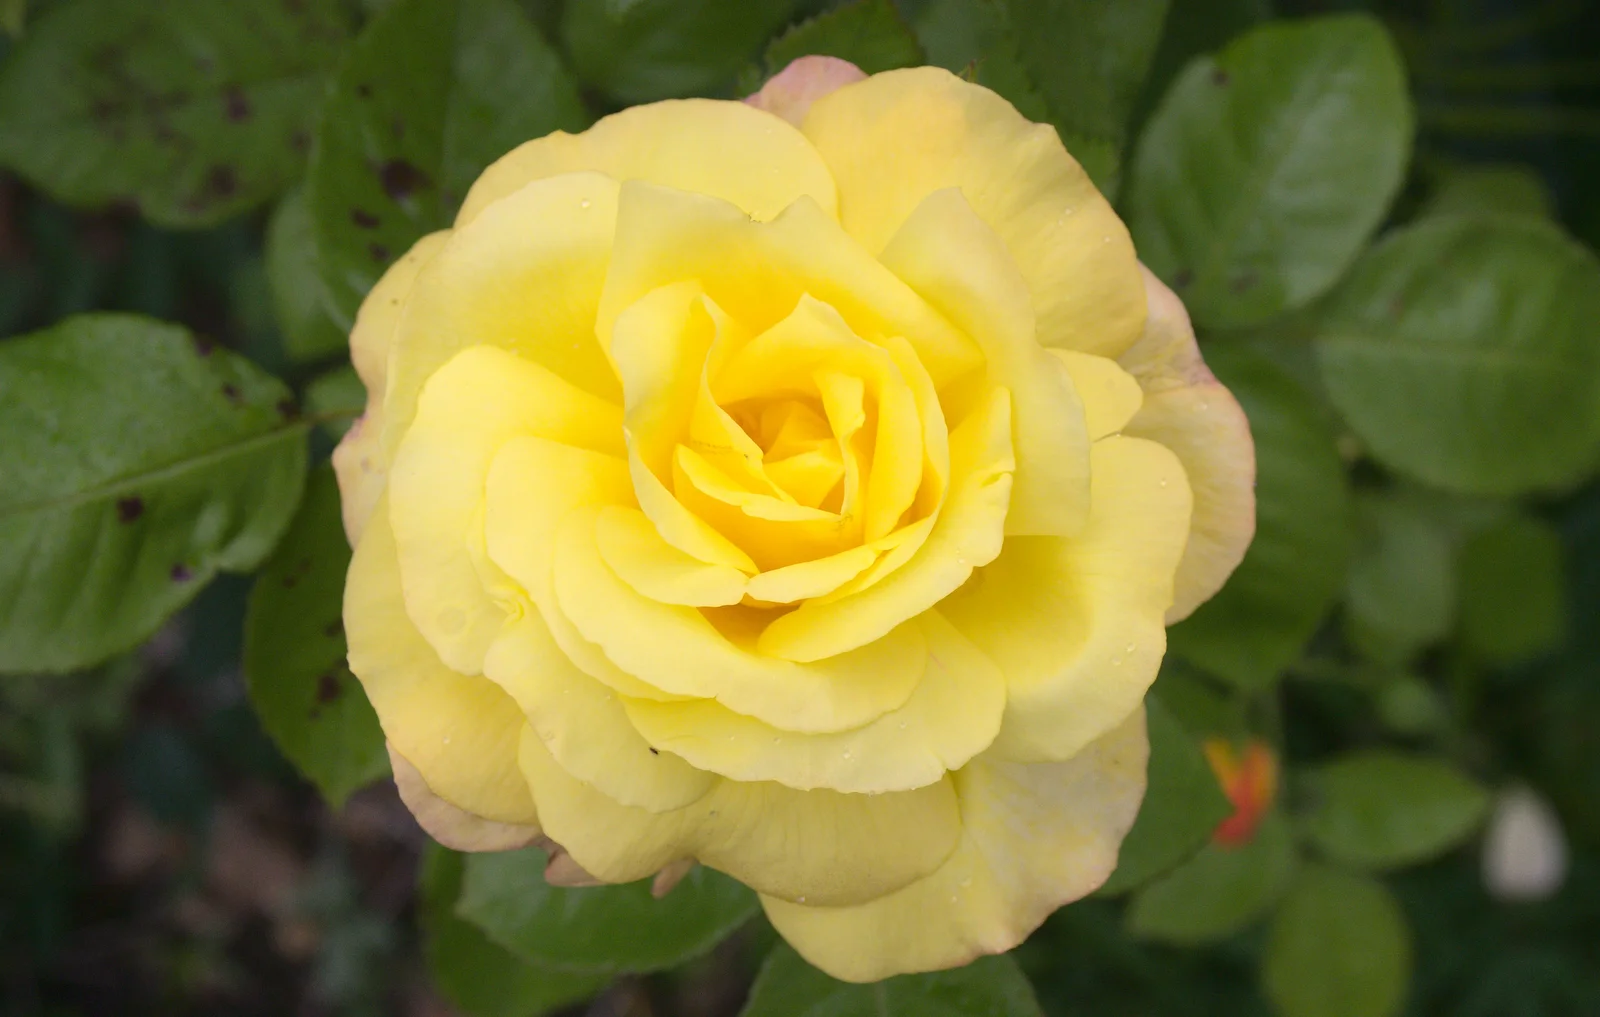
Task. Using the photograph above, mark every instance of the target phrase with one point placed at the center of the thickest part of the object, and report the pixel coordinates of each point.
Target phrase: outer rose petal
(897, 137)
(460, 732)
(1111, 396)
(790, 92)
(776, 840)
(1190, 412)
(525, 280)
(583, 725)
(1034, 837)
(360, 462)
(470, 410)
(1075, 623)
(454, 827)
(724, 149)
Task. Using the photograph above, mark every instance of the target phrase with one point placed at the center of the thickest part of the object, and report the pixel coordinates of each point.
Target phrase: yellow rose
(801, 493)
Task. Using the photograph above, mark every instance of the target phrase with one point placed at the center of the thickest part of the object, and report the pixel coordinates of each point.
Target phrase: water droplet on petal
(584, 203)
(1163, 481)
(447, 739)
(1116, 661)
(1132, 647)
(847, 755)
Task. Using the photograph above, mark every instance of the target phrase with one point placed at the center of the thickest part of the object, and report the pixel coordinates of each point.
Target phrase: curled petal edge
(1190, 412)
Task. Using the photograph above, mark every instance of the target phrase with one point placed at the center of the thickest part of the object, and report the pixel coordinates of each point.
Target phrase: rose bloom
(800, 487)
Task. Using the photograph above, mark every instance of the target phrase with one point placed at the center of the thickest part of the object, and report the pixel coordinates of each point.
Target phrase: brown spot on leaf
(203, 346)
(1244, 283)
(328, 688)
(400, 179)
(366, 220)
(222, 182)
(364, 91)
(1219, 77)
(379, 252)
(231, 392)
(129, 508)
(287, 409)
(1182, 278)
(235, 104)
(300, 141)
(334, 629)
(181, 574)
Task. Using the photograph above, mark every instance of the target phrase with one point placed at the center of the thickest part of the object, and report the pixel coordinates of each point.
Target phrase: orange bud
(1250, 780)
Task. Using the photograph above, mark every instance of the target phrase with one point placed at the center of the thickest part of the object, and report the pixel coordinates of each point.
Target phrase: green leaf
(1182, 805)
(1088, 59)
(339, 396)
(1204, 707)
(294, 653)
(1513, 591)
(1400, 592)
(604, 929)
(975, 38)
(430, 94)
(990, 986)
(298, 300)
(1461, 351)
(1339, 947)
(138, 462)
(477, 975)
(192, 109)
(1272, 604)
(1507, 189)
(13, 15)
(1380, 809)
(1194, 28)
(1265, 169)
(643, 50)
(868, 33)
(1219, 891)
(1410, 706)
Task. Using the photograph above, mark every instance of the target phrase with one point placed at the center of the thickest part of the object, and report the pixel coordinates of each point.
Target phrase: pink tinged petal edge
(451, 825)
(1188, 410)
(790, 92)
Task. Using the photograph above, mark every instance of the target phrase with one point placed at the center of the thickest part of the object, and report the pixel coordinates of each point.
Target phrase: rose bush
(799, 487)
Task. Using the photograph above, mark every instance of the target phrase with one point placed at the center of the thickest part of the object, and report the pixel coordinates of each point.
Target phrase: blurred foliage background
(1411, 644)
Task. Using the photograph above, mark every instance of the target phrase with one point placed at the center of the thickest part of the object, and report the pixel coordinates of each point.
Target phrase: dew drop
(584, 203)
(966, 882)
(1116, 661)
(801, 899)
(847, 755)
(1163, 482)
(902, 725)
(447, 739)
(1132, 647)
